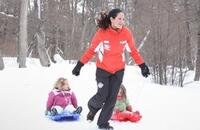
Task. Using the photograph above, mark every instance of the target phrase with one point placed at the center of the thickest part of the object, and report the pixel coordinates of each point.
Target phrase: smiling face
(65, 85)
(118, 22)
(62, 84)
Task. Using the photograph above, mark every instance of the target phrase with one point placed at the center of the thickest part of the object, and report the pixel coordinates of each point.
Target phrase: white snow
(24, 93)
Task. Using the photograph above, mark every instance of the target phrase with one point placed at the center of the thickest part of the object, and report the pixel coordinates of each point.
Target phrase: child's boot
(53, 111)
(78, 110)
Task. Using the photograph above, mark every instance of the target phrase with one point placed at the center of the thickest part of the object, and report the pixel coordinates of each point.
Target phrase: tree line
(167, 32)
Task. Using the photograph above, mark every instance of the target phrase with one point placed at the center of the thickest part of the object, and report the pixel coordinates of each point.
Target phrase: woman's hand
(144, 70)
(77, 68)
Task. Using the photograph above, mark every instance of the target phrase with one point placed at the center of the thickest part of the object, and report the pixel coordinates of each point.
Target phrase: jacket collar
(57, 91)
(115, 31)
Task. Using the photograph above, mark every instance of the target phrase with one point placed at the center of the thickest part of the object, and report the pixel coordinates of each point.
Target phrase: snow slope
(24, 93)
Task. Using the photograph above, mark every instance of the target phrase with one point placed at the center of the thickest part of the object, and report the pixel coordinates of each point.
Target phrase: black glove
(77, 68)
(144, 70)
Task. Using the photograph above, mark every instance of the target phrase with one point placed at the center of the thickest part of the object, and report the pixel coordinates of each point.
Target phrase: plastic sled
(65, 116)
(127, 116)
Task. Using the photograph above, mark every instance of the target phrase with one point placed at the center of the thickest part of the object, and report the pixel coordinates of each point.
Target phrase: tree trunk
(67, 45)
(51, 52)
(160, 45)
(74, 46)
(1, 62)
(82, 42)
(83, 12)
(40, 36)
(39, 9)
(23, 34)
(188, 35)
(44, 59)
(154, 45)
(197, 72)
(180, 59)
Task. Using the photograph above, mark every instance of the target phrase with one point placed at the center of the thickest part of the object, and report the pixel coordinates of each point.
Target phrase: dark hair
(104, 20)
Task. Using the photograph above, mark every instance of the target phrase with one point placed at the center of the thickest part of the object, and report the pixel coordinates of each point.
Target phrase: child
(61, 99)
(123, 110)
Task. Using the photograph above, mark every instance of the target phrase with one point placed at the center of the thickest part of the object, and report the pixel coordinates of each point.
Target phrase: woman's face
(118, 21)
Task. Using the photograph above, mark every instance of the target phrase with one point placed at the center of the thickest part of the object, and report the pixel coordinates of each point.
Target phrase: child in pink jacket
(123, 110)
(61, 99)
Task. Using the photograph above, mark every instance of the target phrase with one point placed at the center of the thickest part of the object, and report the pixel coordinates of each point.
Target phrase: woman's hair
(103, 21)
(59, 83)
(122, 87)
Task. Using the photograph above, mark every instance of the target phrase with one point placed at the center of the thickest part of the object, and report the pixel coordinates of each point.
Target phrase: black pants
(108, 86)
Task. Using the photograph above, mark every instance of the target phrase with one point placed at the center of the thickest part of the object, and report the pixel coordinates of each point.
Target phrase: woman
(109, 42)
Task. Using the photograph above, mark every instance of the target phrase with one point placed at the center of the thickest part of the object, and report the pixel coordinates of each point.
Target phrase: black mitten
(144, 70)
(77, 68)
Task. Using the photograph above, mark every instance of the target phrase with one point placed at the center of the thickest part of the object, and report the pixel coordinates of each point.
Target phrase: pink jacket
(61, 98)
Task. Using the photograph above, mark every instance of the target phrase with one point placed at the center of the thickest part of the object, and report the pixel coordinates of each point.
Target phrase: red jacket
(110, 45)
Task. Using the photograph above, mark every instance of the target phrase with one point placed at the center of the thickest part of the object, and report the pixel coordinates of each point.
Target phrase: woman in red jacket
(110, 41)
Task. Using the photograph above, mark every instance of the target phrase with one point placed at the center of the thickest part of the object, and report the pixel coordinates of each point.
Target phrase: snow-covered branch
(8, 15)
(141, 45)
(143, 40)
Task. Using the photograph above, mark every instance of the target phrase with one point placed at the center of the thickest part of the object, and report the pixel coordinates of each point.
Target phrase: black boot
(108, 127)
(90, 116)
(53, 111)
(78, 110)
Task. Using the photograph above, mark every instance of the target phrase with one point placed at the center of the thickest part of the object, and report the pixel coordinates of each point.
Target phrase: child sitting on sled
(62, 99)
(123, 110)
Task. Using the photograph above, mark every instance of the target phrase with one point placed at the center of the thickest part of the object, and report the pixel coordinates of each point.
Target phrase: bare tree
(40, 35)
(180, 57)
(44, 59)
(1, 62)
(9, 19)
(59, 26)
(188, 37)
(23, 34)
(197, 73)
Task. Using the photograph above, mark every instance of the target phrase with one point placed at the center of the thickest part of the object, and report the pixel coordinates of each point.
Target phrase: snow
(24, 93)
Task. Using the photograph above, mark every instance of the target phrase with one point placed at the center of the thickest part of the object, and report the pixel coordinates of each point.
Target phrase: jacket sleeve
(74, 100)
(91, 51)
(50, 100)
(128, 106)
(132, 50)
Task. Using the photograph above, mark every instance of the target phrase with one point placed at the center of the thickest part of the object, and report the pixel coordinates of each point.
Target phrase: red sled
(127, 116)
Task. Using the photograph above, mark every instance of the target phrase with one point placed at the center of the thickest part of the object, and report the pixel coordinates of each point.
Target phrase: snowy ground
(24, 93)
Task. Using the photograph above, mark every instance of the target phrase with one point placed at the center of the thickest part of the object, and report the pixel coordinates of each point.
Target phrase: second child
(123, 110)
